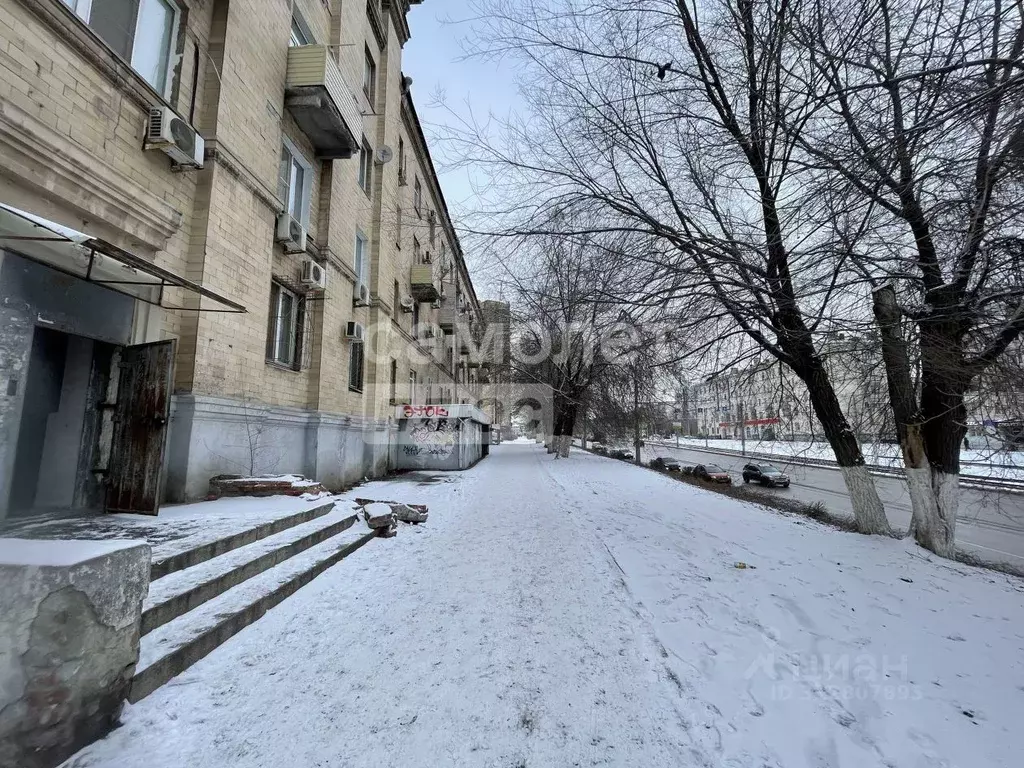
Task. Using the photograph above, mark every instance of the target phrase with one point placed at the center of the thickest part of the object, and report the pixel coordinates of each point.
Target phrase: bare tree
(677, 123)
(917, 145)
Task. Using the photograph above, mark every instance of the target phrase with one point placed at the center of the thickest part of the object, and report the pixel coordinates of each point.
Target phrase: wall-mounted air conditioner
(314, 275)
(355, 331)
(361, 295)
(174, 137)
(290, 233)
(408, 304)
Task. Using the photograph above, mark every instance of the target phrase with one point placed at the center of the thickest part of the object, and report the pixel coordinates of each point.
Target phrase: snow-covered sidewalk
(589, 612)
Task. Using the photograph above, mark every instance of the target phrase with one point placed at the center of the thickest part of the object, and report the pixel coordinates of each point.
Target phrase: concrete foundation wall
(69, 641)
(211, 436)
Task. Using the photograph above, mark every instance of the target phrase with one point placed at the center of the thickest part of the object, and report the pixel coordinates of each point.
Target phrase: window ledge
(353, 389)
(77, 34)
(282, 366)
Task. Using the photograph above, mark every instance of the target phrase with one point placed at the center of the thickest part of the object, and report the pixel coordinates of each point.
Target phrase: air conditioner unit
(436, 304)
(408, 304)
(361, 295)
(314, 275)
(426, 332)
(355, 331)
(174, 137)
(290, 233)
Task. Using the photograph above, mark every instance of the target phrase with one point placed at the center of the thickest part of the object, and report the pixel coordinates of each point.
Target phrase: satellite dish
(406, 83)
(385, 155)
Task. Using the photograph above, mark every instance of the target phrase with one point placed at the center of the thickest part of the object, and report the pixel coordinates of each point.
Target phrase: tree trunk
(937, 425)
(867, 506)
(636, 420)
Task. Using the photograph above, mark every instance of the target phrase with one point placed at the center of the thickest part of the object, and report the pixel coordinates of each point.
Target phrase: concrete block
(69, 642)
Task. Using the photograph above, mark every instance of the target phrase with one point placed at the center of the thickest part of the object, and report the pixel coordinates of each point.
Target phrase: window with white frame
(365, 166)
(412, 386)
(142, 32)
(361, 259)
(284, 334)
(294, 182)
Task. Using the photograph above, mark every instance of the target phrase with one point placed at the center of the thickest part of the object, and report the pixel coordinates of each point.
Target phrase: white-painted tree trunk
(867, 506)
(564, 445)
(934, 498)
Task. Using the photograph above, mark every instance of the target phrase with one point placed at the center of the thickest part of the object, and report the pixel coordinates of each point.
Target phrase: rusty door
(140, 428)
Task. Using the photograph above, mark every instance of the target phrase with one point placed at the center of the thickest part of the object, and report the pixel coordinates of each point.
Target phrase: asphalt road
(990, 523)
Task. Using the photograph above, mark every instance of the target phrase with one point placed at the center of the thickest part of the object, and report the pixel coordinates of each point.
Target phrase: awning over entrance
(100, 262)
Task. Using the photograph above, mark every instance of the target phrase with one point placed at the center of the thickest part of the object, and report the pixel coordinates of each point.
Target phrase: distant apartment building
(223, 248)
(767, 401)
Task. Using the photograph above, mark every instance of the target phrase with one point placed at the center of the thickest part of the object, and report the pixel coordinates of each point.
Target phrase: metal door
(140, 428)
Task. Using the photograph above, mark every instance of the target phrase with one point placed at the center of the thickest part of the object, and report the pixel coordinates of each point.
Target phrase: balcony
(321, 102)
(448, 317)
(422, 284)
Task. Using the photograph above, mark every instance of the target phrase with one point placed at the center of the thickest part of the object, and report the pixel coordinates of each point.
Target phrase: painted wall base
(211, 436)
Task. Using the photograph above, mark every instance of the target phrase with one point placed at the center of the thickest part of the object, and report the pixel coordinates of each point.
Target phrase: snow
(586, 611)
(61, 554)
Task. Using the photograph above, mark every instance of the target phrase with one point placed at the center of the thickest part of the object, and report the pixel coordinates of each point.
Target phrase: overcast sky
(434, 60)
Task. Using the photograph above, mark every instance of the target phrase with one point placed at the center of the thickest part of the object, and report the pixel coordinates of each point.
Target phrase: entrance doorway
(58, 434)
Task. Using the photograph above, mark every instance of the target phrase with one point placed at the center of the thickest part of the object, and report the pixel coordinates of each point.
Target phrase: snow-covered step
(171, 649)
(180, 560)
(172, 595)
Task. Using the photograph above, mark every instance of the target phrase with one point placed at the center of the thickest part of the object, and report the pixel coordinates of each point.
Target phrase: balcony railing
(321, 103)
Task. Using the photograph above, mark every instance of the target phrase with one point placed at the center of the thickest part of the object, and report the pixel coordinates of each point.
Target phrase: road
(990, 525)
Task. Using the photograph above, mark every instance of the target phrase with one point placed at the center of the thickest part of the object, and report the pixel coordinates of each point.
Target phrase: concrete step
(179, 561)
(170, 649)
(182, 591)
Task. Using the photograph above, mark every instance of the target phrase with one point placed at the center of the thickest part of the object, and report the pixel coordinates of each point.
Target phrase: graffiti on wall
(433, 437)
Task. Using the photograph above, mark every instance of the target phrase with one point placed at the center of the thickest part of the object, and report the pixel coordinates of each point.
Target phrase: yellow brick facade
(65, 94)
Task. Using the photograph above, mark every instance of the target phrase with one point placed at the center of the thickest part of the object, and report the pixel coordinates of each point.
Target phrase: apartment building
(223, 248)
(767, 401)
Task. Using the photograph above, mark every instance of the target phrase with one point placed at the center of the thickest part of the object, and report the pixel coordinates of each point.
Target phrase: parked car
(712, 473)
(665, 464)
(765, 474)
(624, 455)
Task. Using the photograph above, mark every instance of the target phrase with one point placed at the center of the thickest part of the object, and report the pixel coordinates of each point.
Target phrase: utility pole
(636, 417)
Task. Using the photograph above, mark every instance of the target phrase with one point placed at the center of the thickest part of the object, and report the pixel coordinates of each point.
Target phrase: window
(398, 227)
(300, 33)
(418, 198)
(401, 161)
(370, 78)
(294, 183)
(417, 250)
(365, 166)
(141, 32)
(416, 318)
(394, 381)
(412, 386)
(284, 336)
(356, 364)
(361, 259)
(432, 219)
(396, 301)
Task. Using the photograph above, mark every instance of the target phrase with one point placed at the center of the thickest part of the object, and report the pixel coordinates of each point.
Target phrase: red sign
(425, 411)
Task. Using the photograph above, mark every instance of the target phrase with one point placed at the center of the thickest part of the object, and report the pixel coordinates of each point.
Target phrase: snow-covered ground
(589, 612)
(982, 463)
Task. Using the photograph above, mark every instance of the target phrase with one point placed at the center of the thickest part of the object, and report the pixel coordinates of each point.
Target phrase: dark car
(624, 455)
(765, 474)
(665, 464)
(712, 473)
